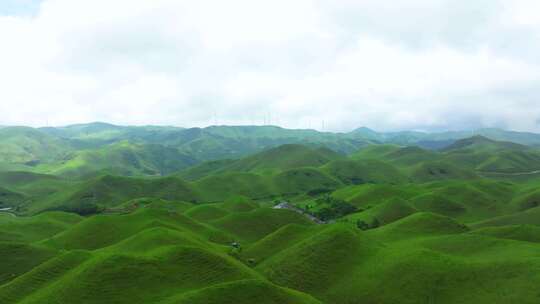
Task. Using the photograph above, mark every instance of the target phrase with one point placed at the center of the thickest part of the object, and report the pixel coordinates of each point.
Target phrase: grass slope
(124, 158)
(254, 225)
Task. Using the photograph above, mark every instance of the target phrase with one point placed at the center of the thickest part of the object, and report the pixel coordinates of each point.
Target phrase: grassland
(284, 258)
(403, 224)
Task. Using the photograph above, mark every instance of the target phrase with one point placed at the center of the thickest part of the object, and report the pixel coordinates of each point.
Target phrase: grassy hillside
(254, 225)
(283, 158)
(352, 266)
(98, 148)
(283, 257)
(288, 224)
(30, 147)
(203, 170)
(245, 291)
(487, 155)
(438, 140)
(269, 161)
(465, 158)
(290, 171)
(101, 193)
(84, 260)
(124, 158)
(364, 171)
(83, 149)
(216, 142)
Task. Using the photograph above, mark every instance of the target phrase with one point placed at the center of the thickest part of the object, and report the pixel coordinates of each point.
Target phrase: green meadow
(100, 213)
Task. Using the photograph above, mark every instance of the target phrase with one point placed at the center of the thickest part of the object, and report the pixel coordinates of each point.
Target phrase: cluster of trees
(363, 225)
(333, 208)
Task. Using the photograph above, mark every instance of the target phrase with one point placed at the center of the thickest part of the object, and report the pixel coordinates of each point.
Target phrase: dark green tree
(362, 225)
(374, 223)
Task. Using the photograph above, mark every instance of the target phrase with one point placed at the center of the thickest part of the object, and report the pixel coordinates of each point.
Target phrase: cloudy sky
(388, 65)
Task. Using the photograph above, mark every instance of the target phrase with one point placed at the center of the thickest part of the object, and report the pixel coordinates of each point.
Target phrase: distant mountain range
(441, 139)
(87, 149)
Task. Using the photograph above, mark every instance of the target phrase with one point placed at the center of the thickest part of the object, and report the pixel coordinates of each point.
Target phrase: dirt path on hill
(511, 174)
(288, 206)
(7, 212)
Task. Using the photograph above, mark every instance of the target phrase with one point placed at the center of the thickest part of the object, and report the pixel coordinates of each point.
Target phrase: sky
(331, 65)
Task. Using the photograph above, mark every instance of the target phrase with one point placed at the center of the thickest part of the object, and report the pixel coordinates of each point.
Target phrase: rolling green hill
(124, 159)
(350, 171)
(98, 148)
(487, 155)
(288, 171)
(111, 214)
(285, 258)
(147, 150)
(464, 159)
(480, 143)
(444, 139)
(30, 147)
(216, 142)
(283, 158)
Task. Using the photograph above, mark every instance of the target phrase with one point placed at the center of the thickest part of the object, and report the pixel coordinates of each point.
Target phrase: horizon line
(269, 125)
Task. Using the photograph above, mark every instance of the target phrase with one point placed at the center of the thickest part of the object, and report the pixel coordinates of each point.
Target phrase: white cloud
(388, 65)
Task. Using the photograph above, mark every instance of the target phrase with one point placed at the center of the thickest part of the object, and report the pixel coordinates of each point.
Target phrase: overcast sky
(388, 65)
